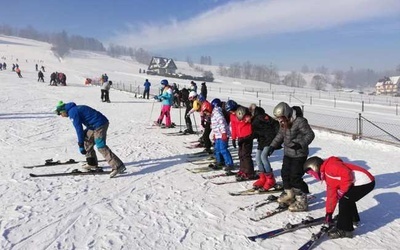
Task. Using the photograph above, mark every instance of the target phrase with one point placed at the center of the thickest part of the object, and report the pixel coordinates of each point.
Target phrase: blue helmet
(216, 103)
(201, 98)
(231, 105)
(164, 82)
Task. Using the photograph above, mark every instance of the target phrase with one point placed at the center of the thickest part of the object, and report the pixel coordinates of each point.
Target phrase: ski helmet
(313, 163)
(206, 106)
(164, 82)
(231, 105)
(216, 102)
(201, 98)
(192, 95)
(240, 112)
(283, 109)
(60, 107)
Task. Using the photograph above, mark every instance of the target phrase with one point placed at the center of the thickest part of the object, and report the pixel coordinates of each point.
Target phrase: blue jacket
(147, 85)
(84, 115)
(166, 96)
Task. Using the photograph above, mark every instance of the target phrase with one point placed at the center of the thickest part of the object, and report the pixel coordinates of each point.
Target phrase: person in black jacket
(203, 90)
(40, 76)
(264, 129)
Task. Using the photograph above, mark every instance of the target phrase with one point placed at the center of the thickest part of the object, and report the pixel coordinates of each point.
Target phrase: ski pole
(151, 112)
(180, 119)
(195, 124)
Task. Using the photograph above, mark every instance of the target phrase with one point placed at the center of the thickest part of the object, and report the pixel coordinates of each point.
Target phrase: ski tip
(32, 175)
(252, 238)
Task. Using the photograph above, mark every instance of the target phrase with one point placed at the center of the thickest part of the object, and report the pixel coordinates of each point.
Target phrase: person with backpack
(264, 129)
(146, 91)
(295, 134)
(95, 133)
(346, 183)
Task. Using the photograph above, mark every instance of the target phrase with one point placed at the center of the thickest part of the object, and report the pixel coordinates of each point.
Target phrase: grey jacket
(300, 132)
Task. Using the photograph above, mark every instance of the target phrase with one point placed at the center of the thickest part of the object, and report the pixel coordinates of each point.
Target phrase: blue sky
(287, 33)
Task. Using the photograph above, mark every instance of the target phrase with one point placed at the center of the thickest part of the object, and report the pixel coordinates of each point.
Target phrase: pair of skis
(305, 223)
(51, 162)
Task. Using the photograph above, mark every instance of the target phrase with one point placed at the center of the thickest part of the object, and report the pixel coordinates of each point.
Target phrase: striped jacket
(218, 123)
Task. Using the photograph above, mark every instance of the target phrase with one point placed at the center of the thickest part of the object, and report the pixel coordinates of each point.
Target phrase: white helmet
(192, 95)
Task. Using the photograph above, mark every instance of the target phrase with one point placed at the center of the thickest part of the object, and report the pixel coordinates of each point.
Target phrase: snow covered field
(157, 204)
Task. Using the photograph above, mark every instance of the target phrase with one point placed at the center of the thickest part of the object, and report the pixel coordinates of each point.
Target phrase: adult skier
(167, 99)
(95, 133)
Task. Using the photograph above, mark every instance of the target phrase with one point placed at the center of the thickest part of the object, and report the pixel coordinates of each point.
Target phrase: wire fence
(358, 127)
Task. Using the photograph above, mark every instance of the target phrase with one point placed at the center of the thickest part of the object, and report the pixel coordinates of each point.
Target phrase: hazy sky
(287, 33)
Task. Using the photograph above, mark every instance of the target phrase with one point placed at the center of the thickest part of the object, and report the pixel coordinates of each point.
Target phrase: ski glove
(82, 148)
(234, 143)
(224, 137)
(296, 146)
(340, 194)
(270, 150)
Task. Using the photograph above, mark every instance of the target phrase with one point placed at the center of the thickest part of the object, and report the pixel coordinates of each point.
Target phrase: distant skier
(105, 91)
(18, 70)
(37, 67)
(146, 91)
(346, 183)
(40, 76)
(203, 90)
(95, 133)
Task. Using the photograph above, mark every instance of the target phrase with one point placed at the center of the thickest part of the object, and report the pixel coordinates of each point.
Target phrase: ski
(50, 162)
(194, 146)
(228, 173)
(270, 199)
(315, 238)
(307, 222)
(202, 169)
(201, 161)
(279, 209)
(253, 191)
(97, 171)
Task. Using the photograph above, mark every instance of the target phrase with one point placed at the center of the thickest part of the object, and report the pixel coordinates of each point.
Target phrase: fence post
(302, 108)
(290, 97)
(259, 103)
(219, 89)
(310, 100)
(272, 95)
(359, 126)
(362, 106)
(257, 94)
(334, 102)
(397, 109)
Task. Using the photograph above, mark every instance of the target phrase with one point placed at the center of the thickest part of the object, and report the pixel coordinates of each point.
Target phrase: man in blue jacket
(146, 91)
(95, 133)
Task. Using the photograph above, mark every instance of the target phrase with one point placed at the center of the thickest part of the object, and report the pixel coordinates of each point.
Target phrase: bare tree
(338, 81)
(319, 82)
(294, 79)
(305, 69)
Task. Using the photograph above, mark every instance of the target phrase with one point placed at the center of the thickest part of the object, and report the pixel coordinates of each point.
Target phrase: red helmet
(206, 106)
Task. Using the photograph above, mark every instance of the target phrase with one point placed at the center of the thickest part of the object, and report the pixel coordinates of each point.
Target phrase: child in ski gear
(167, 98)
(264, 130)
(296, 134)
(146, 91)
(240, 121)
(206, 109)
(221, 133)
(18, 70)
(192, 106)
(95, 133)
(346, 183)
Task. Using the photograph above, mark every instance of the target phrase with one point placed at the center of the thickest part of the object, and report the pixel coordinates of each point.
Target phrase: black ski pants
(348, 212)
(292, 173)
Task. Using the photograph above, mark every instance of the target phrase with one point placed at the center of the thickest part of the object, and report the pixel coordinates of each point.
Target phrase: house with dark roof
(162, 66)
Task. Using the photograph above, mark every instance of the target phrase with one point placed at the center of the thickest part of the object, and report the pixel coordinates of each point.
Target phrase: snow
(157, 204)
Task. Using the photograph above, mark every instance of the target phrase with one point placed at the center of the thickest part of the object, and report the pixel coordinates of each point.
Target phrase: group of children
(346, 182)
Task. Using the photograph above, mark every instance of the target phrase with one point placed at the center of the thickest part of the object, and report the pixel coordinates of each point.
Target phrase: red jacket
(341, 176)
(240, 129)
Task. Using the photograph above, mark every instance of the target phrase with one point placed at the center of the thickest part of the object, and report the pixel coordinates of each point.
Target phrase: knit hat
(60, 107)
